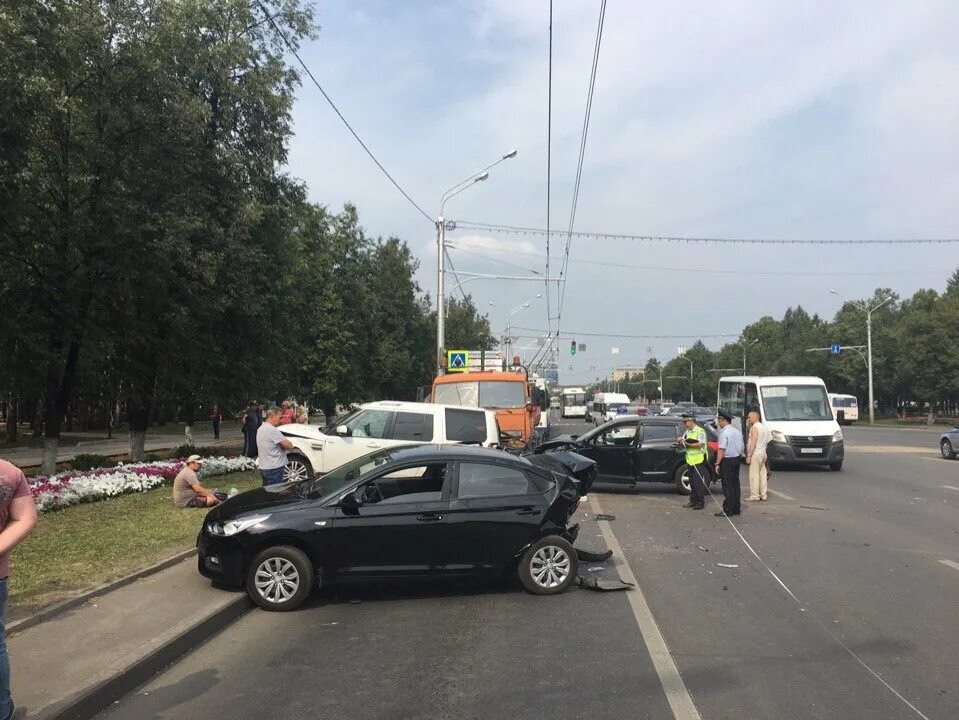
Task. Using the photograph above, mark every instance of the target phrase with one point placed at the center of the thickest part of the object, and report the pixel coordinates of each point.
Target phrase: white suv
(383, 424)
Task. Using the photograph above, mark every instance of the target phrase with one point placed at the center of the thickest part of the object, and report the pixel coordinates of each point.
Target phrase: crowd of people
(254, 417)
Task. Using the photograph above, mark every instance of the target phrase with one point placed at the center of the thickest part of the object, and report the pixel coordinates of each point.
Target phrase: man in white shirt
(271, 448)
(759, 437)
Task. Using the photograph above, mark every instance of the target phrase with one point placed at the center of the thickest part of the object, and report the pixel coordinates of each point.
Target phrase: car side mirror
(350, 503)
(343, 431)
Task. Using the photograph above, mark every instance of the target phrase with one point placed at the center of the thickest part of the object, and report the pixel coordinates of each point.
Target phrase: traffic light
(572, 347)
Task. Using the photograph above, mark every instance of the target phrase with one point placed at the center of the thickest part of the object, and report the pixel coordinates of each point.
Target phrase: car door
(496, 510)
(400, 527)
(614, 452)
(368, 430)
(656, 452)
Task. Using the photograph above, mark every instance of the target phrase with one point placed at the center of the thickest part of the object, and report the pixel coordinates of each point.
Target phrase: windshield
(795, 402)
(574, 399)
(345, 474)
(489, 394)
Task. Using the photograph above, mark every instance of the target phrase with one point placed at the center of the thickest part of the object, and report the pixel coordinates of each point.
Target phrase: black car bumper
(221, 559)
(833, 452)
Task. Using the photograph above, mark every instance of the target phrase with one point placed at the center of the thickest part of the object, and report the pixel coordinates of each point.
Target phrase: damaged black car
(406, 512)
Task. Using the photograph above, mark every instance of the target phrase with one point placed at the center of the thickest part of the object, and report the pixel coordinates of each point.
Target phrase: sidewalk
(80, 661)
(31, 457)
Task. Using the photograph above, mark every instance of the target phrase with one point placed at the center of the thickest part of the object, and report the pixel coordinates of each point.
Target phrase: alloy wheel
(277, 580)
(946, 449)
(295, 471)
(549, 566)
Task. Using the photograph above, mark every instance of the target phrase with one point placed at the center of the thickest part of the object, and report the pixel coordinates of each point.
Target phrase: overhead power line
(349, 127)
(534, 231)
(574, 334)
(494, 255)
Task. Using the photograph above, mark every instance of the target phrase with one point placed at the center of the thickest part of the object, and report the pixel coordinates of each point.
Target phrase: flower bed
(72, 487)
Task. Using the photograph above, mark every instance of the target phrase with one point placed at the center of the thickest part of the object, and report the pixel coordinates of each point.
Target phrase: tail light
(713, 445)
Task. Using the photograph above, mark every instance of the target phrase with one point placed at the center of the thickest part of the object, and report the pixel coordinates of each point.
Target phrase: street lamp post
(509, 317)
(868, 310)
(683, 356)
(476, 177)
(745, 346)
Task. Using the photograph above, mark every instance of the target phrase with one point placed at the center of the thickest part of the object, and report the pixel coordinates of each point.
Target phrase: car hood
(304, 431)
(274, 497)
(560, 441)
(803, 427)
(581, 470)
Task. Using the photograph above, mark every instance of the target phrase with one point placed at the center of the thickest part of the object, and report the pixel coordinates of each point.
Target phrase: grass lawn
(84, 546)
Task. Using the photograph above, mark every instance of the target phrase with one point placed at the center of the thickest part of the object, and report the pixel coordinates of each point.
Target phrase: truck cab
(505, 393)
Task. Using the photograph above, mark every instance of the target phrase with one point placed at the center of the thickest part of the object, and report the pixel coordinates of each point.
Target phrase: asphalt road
(851, 610)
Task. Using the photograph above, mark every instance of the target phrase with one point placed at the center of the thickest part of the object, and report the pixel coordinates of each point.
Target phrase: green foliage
(91, 461)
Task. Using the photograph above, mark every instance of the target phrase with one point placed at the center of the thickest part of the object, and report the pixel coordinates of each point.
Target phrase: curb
(62, 607)
(90, 701)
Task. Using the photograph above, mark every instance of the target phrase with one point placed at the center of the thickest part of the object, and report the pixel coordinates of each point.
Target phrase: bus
(797, 412)
(573, 403)
(845, 404)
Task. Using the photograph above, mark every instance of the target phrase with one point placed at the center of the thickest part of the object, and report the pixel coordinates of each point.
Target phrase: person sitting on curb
(187, 490)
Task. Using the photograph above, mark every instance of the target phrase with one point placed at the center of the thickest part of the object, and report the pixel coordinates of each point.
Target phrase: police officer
(731, 447)
(694, 440)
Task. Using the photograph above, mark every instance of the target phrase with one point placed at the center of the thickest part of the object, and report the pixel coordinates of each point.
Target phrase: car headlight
(777, 436)
(232, 527)
(837, 436)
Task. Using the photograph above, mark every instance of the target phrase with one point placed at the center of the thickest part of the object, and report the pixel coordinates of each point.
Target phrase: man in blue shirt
(731, 447)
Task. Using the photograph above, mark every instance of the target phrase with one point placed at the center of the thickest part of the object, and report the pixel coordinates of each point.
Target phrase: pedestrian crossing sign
(457, 360)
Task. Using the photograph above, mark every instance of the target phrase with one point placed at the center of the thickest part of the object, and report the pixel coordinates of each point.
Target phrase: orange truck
(506, 393)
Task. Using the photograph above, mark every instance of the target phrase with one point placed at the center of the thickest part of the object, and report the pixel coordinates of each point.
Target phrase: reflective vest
(696, 455)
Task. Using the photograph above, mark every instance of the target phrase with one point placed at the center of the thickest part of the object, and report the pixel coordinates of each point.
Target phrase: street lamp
(509, 317)
(469, 182)
(868, 310)
(682, 354)
(747, 345)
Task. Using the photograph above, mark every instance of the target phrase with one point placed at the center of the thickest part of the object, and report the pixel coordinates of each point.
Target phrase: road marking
(950, 487)
(950, 563)
(783, 495)
(677, 694)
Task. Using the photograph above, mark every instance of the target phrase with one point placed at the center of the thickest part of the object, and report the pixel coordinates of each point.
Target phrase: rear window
(467, 426)
(660, 432)
(477, 481)
(416, 427)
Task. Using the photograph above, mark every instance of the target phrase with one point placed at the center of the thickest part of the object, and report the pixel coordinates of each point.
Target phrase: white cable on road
(816, 620)
(783, 495)
(677, 694)
(950, 563)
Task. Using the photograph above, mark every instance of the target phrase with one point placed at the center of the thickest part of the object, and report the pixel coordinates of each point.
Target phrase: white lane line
(950, 563)
(783, 495)
(950, 487)
(677, 694)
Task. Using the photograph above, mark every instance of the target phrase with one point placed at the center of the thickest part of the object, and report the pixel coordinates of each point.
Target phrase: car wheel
(297, 468)
(836, 465)
(548, 567)
(945, 447)
(280, 578)
(681, 477)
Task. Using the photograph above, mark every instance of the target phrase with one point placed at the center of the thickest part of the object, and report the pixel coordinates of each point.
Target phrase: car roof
(645, 419)
(456, 452)
(401, 405)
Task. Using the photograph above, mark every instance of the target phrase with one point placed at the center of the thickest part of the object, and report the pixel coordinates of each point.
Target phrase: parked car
(381, 425)
(704, 414)
(654, 409)
(948, 443)
(632, 449)
(428, 510)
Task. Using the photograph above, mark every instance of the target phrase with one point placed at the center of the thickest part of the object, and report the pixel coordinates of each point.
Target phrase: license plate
(811, 451)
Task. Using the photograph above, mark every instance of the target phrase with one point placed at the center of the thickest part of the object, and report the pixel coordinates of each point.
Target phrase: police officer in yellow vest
(694, 440)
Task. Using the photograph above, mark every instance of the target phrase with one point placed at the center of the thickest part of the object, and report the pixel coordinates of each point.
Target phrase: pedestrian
(756, 457)
(188, 492)
(217, 417)
(694, 440)
(188, 426)
(302, 415)
(287, 416)
(18, 517)
(272, 447)
(727, 463)
(251, 423)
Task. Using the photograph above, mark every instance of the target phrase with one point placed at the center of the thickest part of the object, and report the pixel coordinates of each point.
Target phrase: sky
(826, 121)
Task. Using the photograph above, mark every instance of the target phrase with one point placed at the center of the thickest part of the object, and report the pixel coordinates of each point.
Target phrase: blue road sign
(457, 360)
(835, 348)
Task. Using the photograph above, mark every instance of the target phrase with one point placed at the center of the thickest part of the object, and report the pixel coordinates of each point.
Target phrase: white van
(796, 410)
(845, 404)
(605, 406)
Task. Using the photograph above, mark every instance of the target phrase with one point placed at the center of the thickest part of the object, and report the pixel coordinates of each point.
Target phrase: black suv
(636, 449)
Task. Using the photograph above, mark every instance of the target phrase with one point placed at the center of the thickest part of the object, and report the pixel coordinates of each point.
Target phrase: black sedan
(426, 510)
(635, 449)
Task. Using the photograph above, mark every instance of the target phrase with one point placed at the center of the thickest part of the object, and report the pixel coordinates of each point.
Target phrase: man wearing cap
(694, 440)
(187, 490)
(727, 463)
